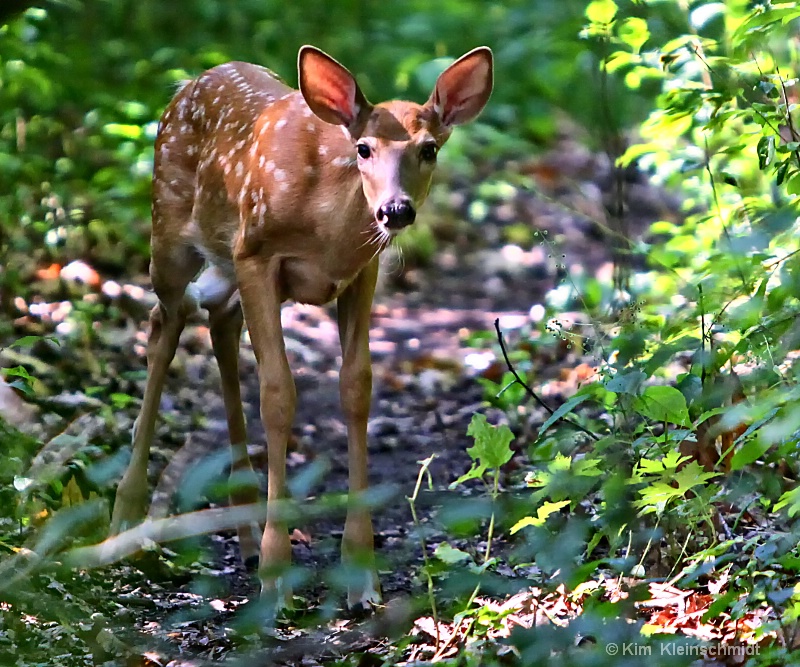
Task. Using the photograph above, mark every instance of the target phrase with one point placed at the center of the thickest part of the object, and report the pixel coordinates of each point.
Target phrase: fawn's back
(244, 166)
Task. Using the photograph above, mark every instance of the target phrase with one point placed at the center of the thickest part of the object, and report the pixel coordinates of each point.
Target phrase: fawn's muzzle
(397, 214)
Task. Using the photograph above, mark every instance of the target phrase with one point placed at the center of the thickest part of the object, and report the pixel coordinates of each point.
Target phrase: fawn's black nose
(397, 214)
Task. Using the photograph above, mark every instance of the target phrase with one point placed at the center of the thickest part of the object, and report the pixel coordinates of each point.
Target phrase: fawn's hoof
(363, 600)
(126, 516)
(277, 592)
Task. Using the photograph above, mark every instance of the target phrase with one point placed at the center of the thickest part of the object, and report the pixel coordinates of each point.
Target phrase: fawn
(284, 194)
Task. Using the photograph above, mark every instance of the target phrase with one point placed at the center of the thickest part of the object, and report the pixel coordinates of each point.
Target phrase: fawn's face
(396, 142)
(396, 155)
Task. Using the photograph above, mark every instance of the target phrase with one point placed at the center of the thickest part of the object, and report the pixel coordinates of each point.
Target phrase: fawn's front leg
(355, 388)
(259, 287)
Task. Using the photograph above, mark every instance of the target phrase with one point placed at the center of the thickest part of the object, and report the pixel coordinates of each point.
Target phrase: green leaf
(627, 382)
(690, 476)
(750, 451)
(123, 131)
(30, 340)
(601, 11)
(663, 404)
(760, 19)
(663, 489)
(490, 451)
(562, 410)
(121, 400)
(23, 386)
(18, 371)
(755, 426)
(720, 605)
(708, 414)
(23, 383)
(655, 497)
(450, 555)
(491, 446)
(588, 467)
(475, 472)
(793, 186)
(634, 33)
(765, 151)
(781, 171)
(668, 463)
(666, 351)
(542, 513)
(621, 59)
(790, 499)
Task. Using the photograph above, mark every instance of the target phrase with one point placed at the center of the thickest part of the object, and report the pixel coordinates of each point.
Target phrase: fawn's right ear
(330, 91)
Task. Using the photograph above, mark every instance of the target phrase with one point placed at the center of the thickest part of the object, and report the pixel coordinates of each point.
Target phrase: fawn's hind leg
(167, 320)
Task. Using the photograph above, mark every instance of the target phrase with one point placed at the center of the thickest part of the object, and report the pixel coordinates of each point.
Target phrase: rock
(14, 410)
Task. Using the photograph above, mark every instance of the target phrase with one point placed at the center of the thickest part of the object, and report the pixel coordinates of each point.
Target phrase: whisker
(374, 233)
(401, 258)
(383, 237)
(366, 243)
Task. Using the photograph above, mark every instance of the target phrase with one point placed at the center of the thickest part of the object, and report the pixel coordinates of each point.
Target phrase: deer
(263, 194)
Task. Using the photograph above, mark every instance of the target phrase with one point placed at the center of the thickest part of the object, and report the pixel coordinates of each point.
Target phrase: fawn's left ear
(463, 89)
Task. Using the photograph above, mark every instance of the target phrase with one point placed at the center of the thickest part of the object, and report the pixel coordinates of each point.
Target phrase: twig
(530, 391)
(513, 370)
(443, 649)
(613, 147)
(169, 529)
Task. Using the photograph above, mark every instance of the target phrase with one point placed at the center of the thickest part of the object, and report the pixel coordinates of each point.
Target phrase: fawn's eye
(428, 152)
(364, 151)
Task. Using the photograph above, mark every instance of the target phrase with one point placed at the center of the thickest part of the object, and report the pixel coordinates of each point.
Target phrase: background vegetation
(674, 465)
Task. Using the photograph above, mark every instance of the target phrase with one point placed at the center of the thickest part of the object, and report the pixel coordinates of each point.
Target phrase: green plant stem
(490, 532)
(486, 556)
(718, 210)
(424, 470)
(489, 537)
(640, 564)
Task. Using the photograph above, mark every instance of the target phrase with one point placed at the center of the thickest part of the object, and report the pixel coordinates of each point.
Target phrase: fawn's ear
(463, 89)
(330, 91)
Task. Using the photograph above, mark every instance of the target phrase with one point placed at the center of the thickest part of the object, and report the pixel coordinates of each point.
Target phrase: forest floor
(427, 357)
